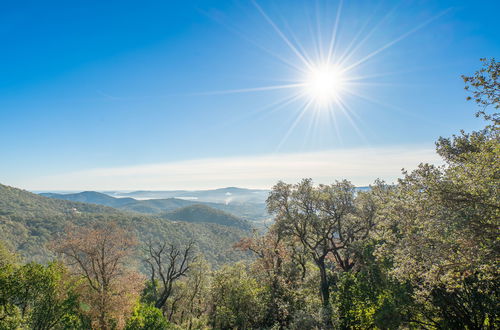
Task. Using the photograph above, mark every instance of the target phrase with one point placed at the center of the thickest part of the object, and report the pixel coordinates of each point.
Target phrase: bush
(147, 317)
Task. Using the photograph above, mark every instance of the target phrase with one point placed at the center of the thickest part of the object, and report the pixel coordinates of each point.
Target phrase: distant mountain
(203, 213)
(254, 212)
(222, 195)
(155, 206)
(92, 197)
(28, 221)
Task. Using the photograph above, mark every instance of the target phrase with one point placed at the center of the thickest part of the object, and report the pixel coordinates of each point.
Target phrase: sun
(323, 84)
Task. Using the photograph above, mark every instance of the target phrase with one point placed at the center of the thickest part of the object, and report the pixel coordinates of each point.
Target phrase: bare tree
(167, 263)
(99, 254)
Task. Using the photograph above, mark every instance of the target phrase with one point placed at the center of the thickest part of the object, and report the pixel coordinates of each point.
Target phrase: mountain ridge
(253, 212)
(203, 213)
(29, 221)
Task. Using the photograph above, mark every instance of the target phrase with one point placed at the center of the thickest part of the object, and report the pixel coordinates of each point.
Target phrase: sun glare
(327, 76)
(323, 84)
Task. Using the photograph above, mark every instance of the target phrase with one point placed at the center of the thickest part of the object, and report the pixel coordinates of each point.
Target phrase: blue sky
(134, 95)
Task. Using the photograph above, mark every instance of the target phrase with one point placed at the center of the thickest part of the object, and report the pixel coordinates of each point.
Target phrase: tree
(484, 86)
(281, 268)
(167, 264)
(329, 221)
(236, 299)
(34, 295)
(440, 225)
(188, 302)
(147, 317)
(99, 255)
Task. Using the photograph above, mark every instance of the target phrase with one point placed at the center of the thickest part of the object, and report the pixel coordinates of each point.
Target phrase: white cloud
(361, 166)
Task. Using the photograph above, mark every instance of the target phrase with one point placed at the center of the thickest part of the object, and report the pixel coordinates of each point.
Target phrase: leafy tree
(330, 221)
(34, 295)
(281, 268)
(441, 224)
(188, 303)
(370, 298)
(484, 86)
(235, 299)
(147, 317)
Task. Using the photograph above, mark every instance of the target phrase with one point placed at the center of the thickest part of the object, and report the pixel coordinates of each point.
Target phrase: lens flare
(328, 75)
(323, 84)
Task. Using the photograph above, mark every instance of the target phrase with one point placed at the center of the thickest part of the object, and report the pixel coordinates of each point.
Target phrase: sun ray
(296, 41)
(350, 79)
(393, 42)
(327, 78)
(267, 110)
(250, 90)
(319, 33)
(349, 52)
(281, 35)
(291, 99)
(302, 112)
(333, 39)
(347, 113)
(332, 116)
(389, 106)
(255, 43)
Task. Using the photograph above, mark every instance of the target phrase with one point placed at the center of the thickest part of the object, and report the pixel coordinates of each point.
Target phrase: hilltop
(29, 221)
(203, 213)
(92, 197)
(250, 211)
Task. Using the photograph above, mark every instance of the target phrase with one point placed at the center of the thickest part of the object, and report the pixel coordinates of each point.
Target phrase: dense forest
(422, 253)
(29, 221)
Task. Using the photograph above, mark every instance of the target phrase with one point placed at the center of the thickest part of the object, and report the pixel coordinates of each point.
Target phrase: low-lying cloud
(361, 166)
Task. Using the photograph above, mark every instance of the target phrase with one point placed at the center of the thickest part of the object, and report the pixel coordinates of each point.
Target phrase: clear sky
(175, 94)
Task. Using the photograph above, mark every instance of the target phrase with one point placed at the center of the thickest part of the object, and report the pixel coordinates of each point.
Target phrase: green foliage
(92, 197)
(441, 225)
(473, 306)
(203, 213)
(29, 221)
(369, 297)
(147, 317)
(235, 299)
(36, 296)
(485, 88)
(250, 211)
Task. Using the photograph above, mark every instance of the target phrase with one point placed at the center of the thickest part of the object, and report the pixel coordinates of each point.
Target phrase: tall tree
(440, 225)
(100, 255)
(33, 295)
(280, 266)
(328, 220)
(167, 263)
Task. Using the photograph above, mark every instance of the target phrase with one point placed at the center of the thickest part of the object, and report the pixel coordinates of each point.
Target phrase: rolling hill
(221, 195)
(29, 221)
(92, 197)
(203, 213)
(254, 212)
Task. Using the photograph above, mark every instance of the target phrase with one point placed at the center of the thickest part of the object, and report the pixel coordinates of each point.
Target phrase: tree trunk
(326, 312)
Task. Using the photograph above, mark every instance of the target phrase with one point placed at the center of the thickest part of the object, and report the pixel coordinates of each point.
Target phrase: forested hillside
(251, 211)
(29, 221)
(92, 197)
(203, 213)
